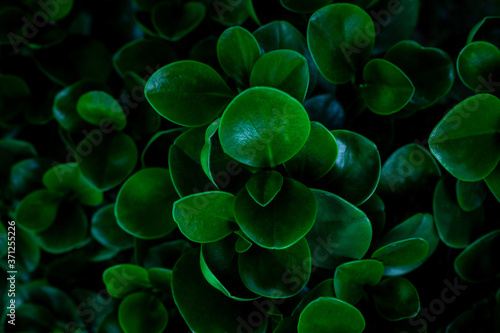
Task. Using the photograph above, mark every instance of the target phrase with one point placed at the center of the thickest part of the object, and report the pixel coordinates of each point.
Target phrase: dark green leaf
(155, 154)
(326, 110)
(477, 64)
(161, 278)
(124, 279)
(396, 298)
(351, 278)
(493, 182)
(94, 106)
(26, 175)
(106, 231)
(173, 22)
(486, 30)
(228, 12)
(28, 259)
(402, 253)
(470, 195)
(263, 186)
(38, 210)
(142, 312)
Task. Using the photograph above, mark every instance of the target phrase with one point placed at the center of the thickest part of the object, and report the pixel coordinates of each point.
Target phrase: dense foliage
(251, 166)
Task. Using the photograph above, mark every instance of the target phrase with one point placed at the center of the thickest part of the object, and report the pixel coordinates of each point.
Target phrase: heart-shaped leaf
(340, 233)
(263, 134)
(281, 223)
(402, 253)
(328, 314)
(470, 195)
(478, 64)
(386, 88)
(472, 126)
(351, 278)
(340, 38)
(396, 298)
(317, 156)
(237, 51)
(285, 70)
(147, 195)
(263, 186)
(142, 312)
(205, 217)
(94, 106)
(188, 93)
(124, 279)
(276, 273)
(106, 231)
(38, 210)
(173, 21)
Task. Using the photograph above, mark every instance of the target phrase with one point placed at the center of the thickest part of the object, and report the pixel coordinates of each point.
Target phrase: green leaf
(467, 134)
(124, 279)
(409, 169)
(402, 253)
(352, 277)
(65, 102)
(340, 233)
(486, 30)
(205, 217)
(212, 311)
(105, 161)
(14, 96)
(237, 51)
(356, 172)
(429, 69)
(493, 182)
(263, 134)
(323, 289)
(454, 226)
(207, 149)
(26, 175)
(317, 156)
(304, 6)
(281, 223)
(276, 273)
(374, 208)
(161, 278)
(263, 186)
(142, 312)
(94, 106)
(340, 38)
(188, 93)
(470, 195)
(173, 22)
(148, 195)
(327, 110)
(479, 63)
(106, 231)
(396, 298)
(242, 243)
(478, 263)
(38, 210)
(285, 70)
(139, 57)
(28, 259)
(386, 88)
(329, 314)
(228, 12)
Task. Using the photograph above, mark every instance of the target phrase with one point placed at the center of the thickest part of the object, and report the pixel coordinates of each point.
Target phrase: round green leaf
(148, 195)
(283, 222)
(470, 195)
(429, 69)
(142, 312)
(402, 253)
(285, 70)
(121, 280)
(317, 156)
(304, 6)
(94, 106)
(276, 273)
(173, 22)
(340, 38)
(263, 186)
(237, 51)
(205, 217)
(351, 278)
(105, 161)
(161, 278)
(340, 233)
(38, 210)
(477, 64)
(493, 182)
(479, 261)
(455, 226)
(26, 175)
(396, 298)
(356, 172)
(467, 134)
(386, 89)
(263, 134)
(188, 93)
(106, 230)
(329, 314)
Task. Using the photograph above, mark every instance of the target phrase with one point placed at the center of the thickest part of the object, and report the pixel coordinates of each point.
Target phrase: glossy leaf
(188, 93)
(205, 217)
(396, 298)
(38, 210)
(174, 22)
(386, 88)
(402, 253)
(94, 106)
(106, 231)
(142, 312)
(263, 186)
(317, 156)
(124, 279)
(477, 64)
(105, 161)
(327, 110)
(340, 233)
(470, 195)
(304, 7)
(283, 222)
(276, 273)
(148, 195)
(237, 51)
(285, 70)
(340, 38)
(352, 277)
(161, 278)
(263, 135)
(327, 314)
